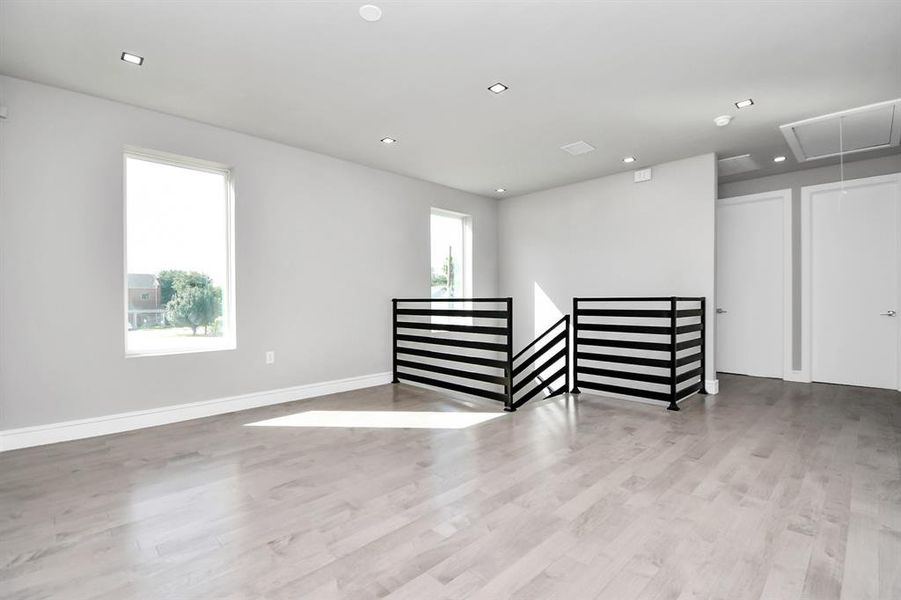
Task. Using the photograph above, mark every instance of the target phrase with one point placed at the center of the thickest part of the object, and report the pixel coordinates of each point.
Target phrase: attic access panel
(859, 129)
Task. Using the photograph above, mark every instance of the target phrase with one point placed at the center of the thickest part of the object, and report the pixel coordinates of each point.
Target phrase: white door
(751, 250)
(853, 237)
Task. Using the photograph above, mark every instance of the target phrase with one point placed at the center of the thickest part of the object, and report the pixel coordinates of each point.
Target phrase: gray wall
(321, 247)
(794, 181)
(611, 237)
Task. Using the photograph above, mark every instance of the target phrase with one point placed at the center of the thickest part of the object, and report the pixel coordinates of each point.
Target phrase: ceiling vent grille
(870, 127)
(577, 148)
(734, 165)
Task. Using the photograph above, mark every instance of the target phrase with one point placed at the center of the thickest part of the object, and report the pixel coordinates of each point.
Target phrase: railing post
(673, 324)
(703, 389)
(394, 340)
(508, 370)
(566, 354)
(575, 359)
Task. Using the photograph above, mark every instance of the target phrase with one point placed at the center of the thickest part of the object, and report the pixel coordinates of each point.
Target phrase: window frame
(230, 340)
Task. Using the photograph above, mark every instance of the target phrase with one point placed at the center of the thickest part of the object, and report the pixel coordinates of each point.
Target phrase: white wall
(321, 247)
(611, 237)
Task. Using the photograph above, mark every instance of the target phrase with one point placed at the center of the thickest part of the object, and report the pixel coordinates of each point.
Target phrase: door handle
(721, 311)
(889, 313)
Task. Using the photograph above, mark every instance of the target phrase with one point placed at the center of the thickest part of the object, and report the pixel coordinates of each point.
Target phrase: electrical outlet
(270, 357)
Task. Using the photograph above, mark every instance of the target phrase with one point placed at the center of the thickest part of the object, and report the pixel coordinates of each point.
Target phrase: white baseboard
(712, 386)
(796, 376)
(25, 437)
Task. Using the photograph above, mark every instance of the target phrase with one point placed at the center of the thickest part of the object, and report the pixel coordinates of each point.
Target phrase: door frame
(785, 195)
(807, 193)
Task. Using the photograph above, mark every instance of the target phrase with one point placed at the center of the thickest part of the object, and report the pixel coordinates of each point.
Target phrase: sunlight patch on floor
(379, 419)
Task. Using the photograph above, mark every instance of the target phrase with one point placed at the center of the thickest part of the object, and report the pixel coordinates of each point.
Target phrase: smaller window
(449, 256)
(145, 296)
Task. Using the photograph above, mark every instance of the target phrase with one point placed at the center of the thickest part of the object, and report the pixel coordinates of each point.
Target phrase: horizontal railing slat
(634, 345)
(451, 299)
(486, 377)
(472, 360)
(640, 299)
(452, 312)
(616, 389)
(686, 360)
(688, 344)
(688, 328)
(637, 312)
(628, 360)
(421, 339)
(623, 312)
(646, 377)
(617, 328)
(451, 327)
(688, 375)
(452, 386)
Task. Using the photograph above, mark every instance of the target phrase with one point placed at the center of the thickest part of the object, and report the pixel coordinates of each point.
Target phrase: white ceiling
(642, 78)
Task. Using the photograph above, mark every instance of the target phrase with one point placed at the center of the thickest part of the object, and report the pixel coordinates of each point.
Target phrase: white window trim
(229, 341)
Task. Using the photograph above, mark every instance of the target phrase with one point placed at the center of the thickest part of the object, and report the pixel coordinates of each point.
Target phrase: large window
(449, 237)
(179, 277)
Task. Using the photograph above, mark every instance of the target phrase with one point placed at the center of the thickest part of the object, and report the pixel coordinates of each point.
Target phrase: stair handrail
(512, 404)
(536, 340)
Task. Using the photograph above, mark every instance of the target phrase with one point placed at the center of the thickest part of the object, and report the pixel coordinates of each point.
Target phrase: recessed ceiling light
(778, 158)
(498, 88)
(388, 140)
(133, 59)
(722, 120)
(370, 12)
(500, 190)
(744, 103)
(629, 159)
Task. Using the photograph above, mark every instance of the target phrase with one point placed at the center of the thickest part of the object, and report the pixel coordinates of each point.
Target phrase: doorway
(851, 257)
(753, 276)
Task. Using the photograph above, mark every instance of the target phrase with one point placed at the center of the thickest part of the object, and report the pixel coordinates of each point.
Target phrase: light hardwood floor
(769, 490)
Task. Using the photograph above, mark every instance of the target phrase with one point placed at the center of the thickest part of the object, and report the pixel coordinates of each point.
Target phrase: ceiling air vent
(855, 130)
(734, 165)
(577, 148)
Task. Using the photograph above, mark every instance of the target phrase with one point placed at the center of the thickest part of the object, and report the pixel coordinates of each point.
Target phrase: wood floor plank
(769, 490)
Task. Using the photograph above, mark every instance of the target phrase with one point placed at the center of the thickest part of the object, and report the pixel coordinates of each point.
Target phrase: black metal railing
(466, 345)
(466, 348)
(650, 348)
(542, 365)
